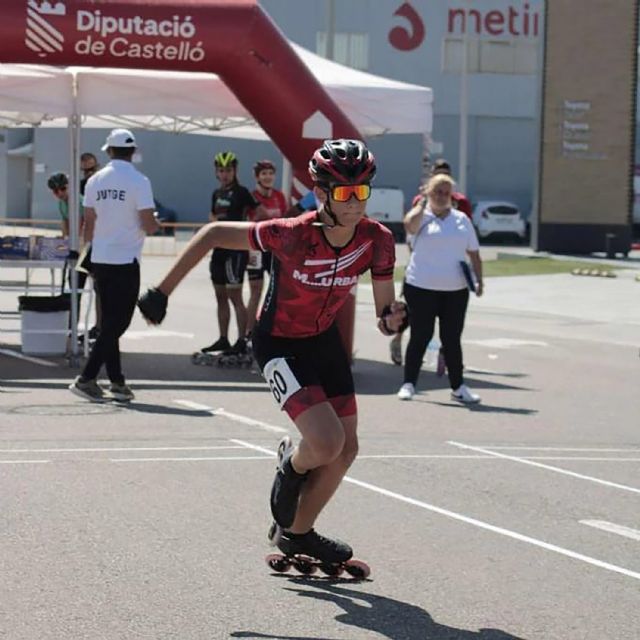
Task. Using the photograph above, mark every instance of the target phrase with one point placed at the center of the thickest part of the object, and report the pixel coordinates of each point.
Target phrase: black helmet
(57, 181)
(342, 161)
(225, 159)
(261, 165)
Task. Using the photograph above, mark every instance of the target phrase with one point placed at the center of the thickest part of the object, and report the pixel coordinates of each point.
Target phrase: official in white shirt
(435, 284)
(118, 212)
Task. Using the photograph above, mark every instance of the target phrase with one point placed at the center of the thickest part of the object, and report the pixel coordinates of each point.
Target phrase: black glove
(153, 305)
(387, 312)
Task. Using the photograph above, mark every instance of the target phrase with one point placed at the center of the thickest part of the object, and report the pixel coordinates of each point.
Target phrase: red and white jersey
(310, 279)
(274, 204)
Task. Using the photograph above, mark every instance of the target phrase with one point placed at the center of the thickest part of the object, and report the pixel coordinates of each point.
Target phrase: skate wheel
(278, 562)
(195, 358)
(357, 569)
(304, 566)
(332, 570)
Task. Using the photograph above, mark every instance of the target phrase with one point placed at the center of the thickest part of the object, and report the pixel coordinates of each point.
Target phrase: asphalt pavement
(514, 519)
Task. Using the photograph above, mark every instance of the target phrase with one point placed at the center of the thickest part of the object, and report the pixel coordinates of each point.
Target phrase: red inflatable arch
(234, 38)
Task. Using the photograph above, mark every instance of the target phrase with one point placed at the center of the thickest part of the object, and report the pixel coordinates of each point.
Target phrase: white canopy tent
(185, 102)
(197, 102)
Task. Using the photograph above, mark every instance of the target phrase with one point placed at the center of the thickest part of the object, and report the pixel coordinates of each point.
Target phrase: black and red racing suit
(310, 281)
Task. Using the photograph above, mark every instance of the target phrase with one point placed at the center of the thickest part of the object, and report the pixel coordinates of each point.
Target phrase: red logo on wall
(407, 39)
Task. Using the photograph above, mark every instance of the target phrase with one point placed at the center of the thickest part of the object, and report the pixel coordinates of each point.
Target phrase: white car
(497, 217)
(386, 205)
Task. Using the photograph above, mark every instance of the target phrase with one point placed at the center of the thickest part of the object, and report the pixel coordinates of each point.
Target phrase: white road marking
(590, 449)
(159, 384)
(24, 461)
(21, 356)
(387, 456)
(156, 333)
(565, 472)
(231, 416)
(507, 343)
(94, 449)
(476, 523)
(183, 459)
(611, 527)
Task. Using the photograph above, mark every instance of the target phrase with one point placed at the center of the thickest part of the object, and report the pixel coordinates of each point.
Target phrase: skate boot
(221, 344)
(209, 355)
(237, 355)
(285, 490)
(315, 546)
(310, 551)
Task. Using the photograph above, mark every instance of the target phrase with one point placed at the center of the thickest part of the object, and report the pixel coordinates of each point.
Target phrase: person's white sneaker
(464, 394)
(407, 391)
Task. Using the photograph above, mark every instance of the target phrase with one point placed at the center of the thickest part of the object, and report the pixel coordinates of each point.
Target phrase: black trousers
(118, 286)
(425, 305)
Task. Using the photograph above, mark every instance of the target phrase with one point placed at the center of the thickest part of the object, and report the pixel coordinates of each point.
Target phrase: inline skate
(311, 552)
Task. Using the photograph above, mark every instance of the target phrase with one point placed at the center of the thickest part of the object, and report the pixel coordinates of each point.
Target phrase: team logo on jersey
(41, 36)
(329, 277)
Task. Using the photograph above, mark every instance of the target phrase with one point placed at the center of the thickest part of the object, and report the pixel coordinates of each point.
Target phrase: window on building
(490, 56)
(351, 49)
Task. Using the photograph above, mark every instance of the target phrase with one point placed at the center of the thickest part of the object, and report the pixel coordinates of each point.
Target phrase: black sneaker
(285, 490)
(314, 545)
(221, 344)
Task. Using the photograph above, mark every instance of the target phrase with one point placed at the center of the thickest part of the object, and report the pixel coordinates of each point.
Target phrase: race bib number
(281, 381)
(255, 260)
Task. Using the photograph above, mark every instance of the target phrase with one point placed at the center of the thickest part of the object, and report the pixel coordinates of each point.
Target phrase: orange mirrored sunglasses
(343, 192)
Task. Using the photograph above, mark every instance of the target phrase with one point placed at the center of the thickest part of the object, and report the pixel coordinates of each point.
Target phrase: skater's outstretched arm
(223, 235)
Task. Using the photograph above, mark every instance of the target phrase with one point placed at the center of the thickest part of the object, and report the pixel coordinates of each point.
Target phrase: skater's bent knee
(326, 449)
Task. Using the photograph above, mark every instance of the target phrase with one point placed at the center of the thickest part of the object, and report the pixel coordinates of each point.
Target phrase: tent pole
(74, 228)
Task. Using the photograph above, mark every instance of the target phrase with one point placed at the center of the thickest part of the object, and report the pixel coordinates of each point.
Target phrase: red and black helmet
(343, 162)
(261, 165)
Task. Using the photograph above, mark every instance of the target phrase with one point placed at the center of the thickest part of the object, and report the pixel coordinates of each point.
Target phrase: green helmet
(225, 159)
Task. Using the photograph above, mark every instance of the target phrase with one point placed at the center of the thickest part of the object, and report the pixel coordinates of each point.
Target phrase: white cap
(119, 138)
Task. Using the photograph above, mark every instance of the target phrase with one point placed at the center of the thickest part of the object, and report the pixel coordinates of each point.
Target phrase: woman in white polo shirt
(435, 286)
(118, 212)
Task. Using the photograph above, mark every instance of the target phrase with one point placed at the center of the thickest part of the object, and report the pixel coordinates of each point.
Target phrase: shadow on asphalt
(483, 408)
(163, 367)
(387, 617)
(380, 378)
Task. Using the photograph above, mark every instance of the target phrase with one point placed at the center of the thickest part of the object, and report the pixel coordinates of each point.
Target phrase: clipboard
(466, 272)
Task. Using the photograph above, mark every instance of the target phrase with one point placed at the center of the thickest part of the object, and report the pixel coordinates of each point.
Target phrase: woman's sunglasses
(343, 192)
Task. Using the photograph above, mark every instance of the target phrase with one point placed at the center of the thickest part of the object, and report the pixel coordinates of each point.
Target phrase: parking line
(186, 459)
(611, 527)
(95, 449)
(472, 521)
(231, 416)
(21, 356)
(576, 449)
(548, 467)
(24, 461)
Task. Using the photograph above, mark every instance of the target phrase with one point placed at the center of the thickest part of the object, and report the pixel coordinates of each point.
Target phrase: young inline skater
(317, 258)
(229, 202)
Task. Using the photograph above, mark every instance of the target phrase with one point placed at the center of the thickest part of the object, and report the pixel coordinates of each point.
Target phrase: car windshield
(502, 209)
